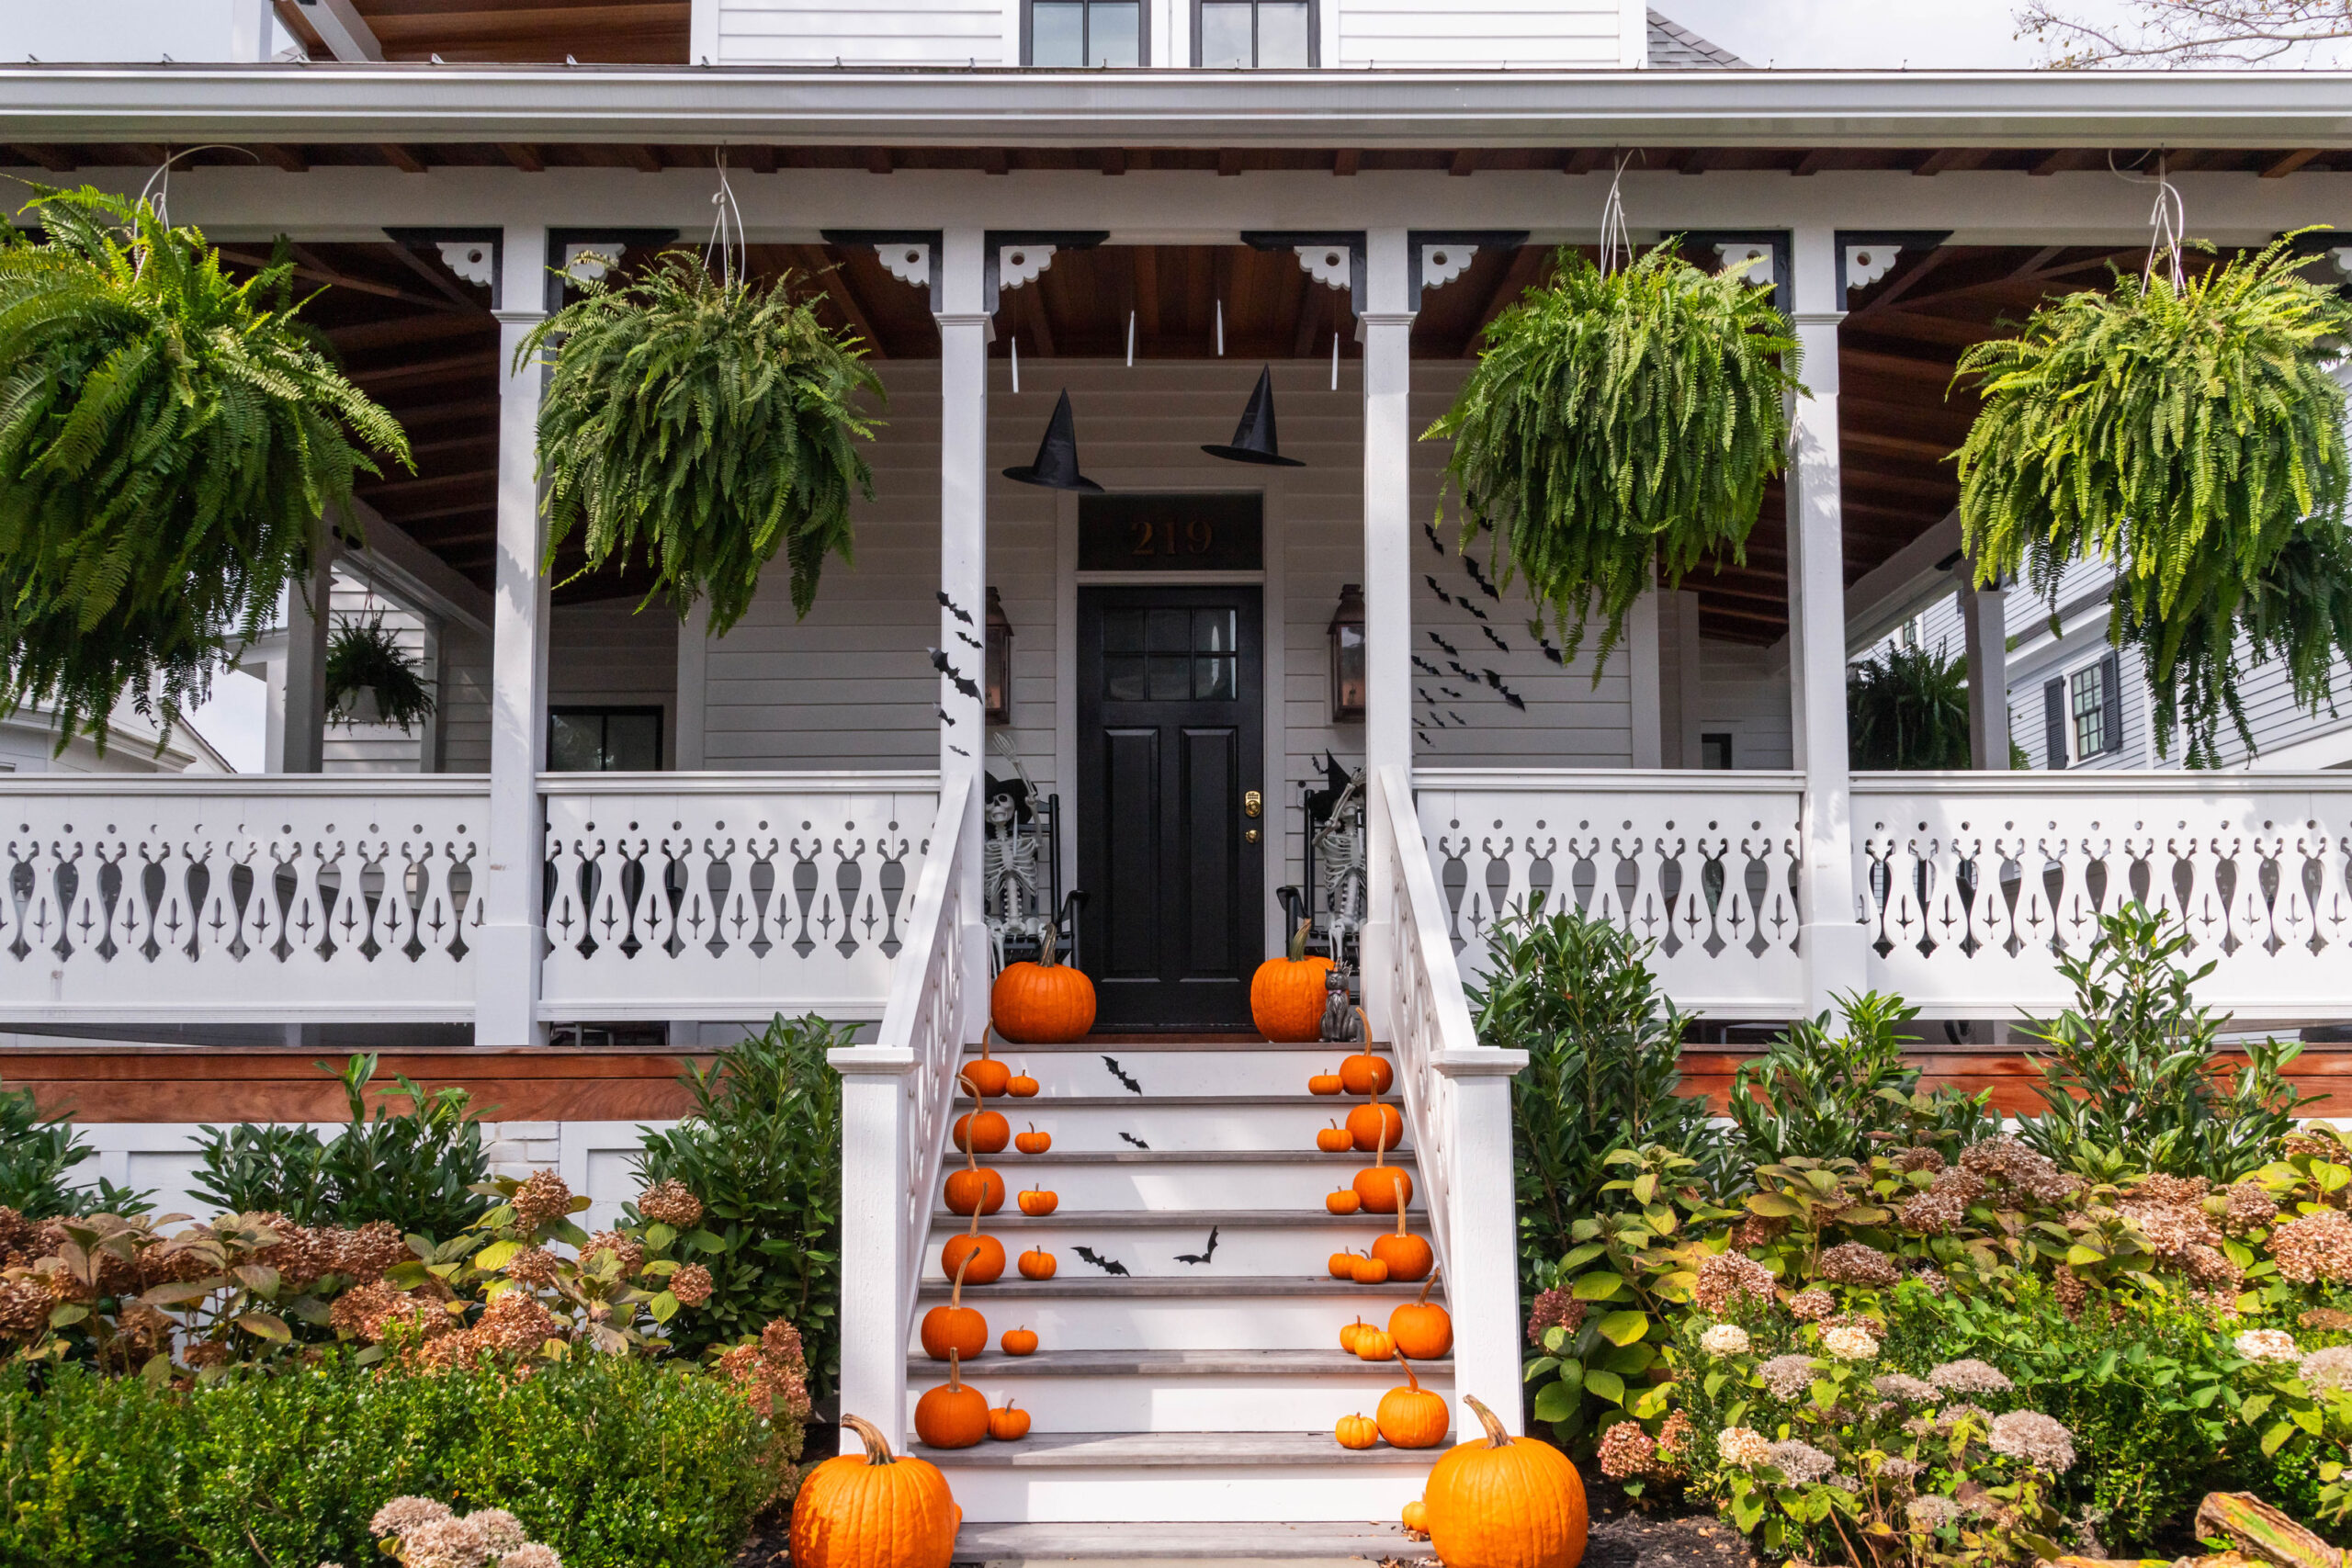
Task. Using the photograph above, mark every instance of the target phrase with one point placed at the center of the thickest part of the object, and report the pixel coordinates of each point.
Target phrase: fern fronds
(169, 437)
(2193, 439)
(706, 425)
(1619, 430)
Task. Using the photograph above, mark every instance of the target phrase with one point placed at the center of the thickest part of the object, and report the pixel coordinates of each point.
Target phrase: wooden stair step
(942, 1220)
(1181, 1364)
(1168, 1450)
(1196, 1157)
(1257, 1286)
(1338, 1104)
(1003, 1052)
(1296, 1546)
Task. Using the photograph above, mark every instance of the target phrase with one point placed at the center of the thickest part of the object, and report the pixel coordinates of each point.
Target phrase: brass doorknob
(1251, 836)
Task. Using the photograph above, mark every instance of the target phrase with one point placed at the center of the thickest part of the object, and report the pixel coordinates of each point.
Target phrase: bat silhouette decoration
(969, 640)
(1471, 608)
(954, 609)
(1535, 630)
(957, 749)
(1497, 642)
(1429, 531)
(1513, 698)
(1113, 1063)
(956, 678)
(1445, 645)
(1108, 1265)
(1466, 674)
(1459, 719)
(1470, 565)
(1138, 1143)
(945, 715)
(1421, 663)
(1451, 692)
(1201, 1256)
(1443, 597)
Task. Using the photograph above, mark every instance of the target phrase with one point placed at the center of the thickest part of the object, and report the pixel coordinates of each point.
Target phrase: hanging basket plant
(703, 424)
(2190, 435)
(1619, 430)
(169, 438)
(371, 679)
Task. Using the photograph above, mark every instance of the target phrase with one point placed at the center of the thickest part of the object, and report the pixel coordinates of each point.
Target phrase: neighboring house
(620, 831)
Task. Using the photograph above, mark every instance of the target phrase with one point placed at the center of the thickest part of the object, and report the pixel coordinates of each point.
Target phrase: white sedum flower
(1851, 1344)
(2034, 1438)
(1725, 1339)
(1744, 1447)
(2267, 1345)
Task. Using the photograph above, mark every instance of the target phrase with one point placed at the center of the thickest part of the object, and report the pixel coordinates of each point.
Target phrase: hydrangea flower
(2266, 1345)
(1801, 1462)
(2328, 1370)
(2034, 1438)
(1725, 1339)
(1744, 1447)
(1970, 1376)
(1787, 1377)
(1851, 1344)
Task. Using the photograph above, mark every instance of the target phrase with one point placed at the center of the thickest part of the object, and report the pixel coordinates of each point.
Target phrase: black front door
(1169, 727)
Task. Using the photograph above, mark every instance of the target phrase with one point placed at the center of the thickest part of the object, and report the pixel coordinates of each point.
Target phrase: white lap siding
(902, 32)
(1524, 34)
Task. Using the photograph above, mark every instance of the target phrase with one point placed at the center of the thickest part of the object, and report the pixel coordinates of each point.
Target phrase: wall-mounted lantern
(999, 685)
(1347, 656)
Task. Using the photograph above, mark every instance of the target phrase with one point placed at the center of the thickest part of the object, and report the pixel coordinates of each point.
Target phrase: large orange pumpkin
(1372, 1125)
(987, 1133)
(1287, 995)
(1383, 1187)
(952, 1416)
(986, 1078)
(1042, 1004)
(1413, 1416)
(1422, 1329)
(953, 1329)
(1408, 1256)
(975, 1189)
(873, 1510)
(1505, 1502)
(1364, 1073)
(982, 1254)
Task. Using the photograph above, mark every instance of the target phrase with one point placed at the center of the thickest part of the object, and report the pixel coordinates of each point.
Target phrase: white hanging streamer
(1016, 363)
(161, 198)
(1131, 340)
(1614, 240)
(1334, 359)
(1220, 329)
(727, 235)
(2168, 223)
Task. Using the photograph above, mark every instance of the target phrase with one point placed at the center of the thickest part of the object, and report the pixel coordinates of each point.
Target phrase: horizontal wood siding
(1526, 34)
(612, 654)
(904, 32)
(465, 701)
(1744, 692)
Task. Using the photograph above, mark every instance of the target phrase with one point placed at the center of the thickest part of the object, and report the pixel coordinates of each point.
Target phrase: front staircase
(1179, 1393)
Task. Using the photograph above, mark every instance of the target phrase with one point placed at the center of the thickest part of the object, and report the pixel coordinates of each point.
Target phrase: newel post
(878, 1085)
(1483, 1270)
(1385, 329)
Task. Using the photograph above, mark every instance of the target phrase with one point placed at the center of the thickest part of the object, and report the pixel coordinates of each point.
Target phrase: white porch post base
(1483, 1279)
(875, 1129)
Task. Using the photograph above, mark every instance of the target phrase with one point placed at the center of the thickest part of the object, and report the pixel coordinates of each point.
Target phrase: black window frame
(1314, 35)
(654, 711)
(1143, 35)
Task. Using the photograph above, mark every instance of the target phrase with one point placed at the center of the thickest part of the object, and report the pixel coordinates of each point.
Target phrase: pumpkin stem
(1298, 941)
(1364, 1020)
(878, 1447)
(1423, 1299)
(954, 1368)
(1411, 1381)
(1495, 1436)
(956, 1296)
(976, 1226)
(1393, 1187)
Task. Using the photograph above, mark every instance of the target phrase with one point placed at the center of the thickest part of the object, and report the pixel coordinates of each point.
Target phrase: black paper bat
(945, 715)
(1201, 1256)
(957, 749)
(1421, 663)
(1459, 719)
(1513, 698)
(1443, 596)
(1430, 530)
(1135, 1141)
(1470, 565)
(1108, 1265)
(1451, 692)
(1113, 1063)
(1471, 608)
(956, 678)
(1466, 674)
(1496, 640)
(1423, 694)
(954, 609)
(1535, 630)
(969, 640)
(1445, 645)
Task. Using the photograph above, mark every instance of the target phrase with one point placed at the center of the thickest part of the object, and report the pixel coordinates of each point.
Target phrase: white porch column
(1482, 1282)
(1984, 618)
(876, 1087)
(1386, 330)
(310, 625)
(964, 311)
(507, 956)
(1643, 693)
(1833, 943)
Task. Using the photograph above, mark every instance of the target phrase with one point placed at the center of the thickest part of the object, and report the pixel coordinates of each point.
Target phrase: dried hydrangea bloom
(1787, 1378)
(404, 1515)
(513, 1325)
(1556, 1308)
(1626, 1452)
(25, 1305)
(1743, 1447)
(1851, 1344)
(625, 1250)
(535, 1267)
(2247, 1207)
(20, 1238)
(531, 1555)
(541, 1199)
(1758, 1230)
(2070, 1289)
(2211, 1267)
(668, 1203)
(1895, 1467)
(2328, 1370)
(1970, 1375)
(1725, 1339)
(2328, 1320)
(444, 1543)
(2319, 1145)
(1913, 1159)
(2171, 1228)
(501, 1532)
(1675, 1439)
(1813, 1306)
(1904, 1389)
(1932, 1512)
(1856, 1263)
(1932, 1212)
(2179, 1191)
(2008, 1160)
(2267, 1345)
(1933, 1278)
(363, 1255)
(2031, 1436)
(2317, 1246)
(1727, 1278)
(1801, 1462)
(690, 1285)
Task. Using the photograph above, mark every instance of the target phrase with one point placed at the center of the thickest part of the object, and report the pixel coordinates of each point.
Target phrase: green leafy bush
(93, 1471)
(35, 1153)
(1909, 708)
(762, 1149)
(1822, 1096)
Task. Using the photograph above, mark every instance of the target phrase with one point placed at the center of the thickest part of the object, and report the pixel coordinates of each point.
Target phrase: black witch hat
(1253, 440)
(1056, 464)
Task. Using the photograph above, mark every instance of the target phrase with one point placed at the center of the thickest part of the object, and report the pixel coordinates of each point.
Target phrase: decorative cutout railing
(1427, 1015)
(180, 899)
(1703, 865)
(1972, 884)
(729, 896)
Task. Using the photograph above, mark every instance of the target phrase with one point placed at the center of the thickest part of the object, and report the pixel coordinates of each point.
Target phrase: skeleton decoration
(1335, 829)
(1013, 882)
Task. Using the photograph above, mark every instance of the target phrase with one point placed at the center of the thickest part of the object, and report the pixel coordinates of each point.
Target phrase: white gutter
(324, 102)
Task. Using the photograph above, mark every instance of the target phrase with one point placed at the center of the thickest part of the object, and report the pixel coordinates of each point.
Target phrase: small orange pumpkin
(1358, 1431)
(1032, 1142)
(1408, 1256)
(984, 1132)
(1364, 1073)
(980, 1258)
(1019, 1342)
(1373, 1344)
(1416, 1519)
(856, 1511)
(1037, 1203)
(986, 1077)
(1007, 1425)
(1367, 1269)
(1505, 1502)
(952, 1416)
(1343, 1201)
(1375, 1125)
(977, 1190)
(1348, 1333)
(1038, 1264)
(1287, 995)
(1324, 1083)
(1021, 1086)
(954, 1328)
(1334, 1139)
(1422, 1329)
(1043, 1003)
(1343, 1265)
(1413, 1417)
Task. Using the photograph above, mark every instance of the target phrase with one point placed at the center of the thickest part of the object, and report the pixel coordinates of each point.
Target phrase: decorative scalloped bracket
(1329, 266)
(1865, 265)
(1765, 273)
(1441, 264)
(1017, 266)
(909, 262)
(473, 261)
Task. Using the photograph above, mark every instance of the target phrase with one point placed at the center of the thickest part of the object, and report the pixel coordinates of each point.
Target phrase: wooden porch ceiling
(599, 32)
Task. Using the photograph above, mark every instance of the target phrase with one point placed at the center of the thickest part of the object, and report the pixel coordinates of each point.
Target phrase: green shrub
(92, 1472)
(1814, 1095)
(35, 1153)
(763, 1150)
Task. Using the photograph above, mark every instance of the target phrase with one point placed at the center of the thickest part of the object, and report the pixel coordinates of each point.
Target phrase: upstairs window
(2082, 713)
(1254, 35)
(605, 740)
(1083, 34)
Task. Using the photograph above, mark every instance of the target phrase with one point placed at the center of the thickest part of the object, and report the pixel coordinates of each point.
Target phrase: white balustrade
(729, 896)
(180, 898)
(1972, 884)
(1703, 865)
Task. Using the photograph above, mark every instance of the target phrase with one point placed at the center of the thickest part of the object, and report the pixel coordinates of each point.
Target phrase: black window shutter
(2054, 719)
(2111, 691)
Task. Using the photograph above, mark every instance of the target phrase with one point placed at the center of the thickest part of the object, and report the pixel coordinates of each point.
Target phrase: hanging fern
(169, 437)
(1909, 708)
(368, 655)
(1620, 429)
(706, 423)
(2192, 438)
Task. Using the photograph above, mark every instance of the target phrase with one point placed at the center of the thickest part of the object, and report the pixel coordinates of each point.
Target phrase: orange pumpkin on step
(1368, 1271)
(1422, 1329)
(1038, 1264)
(1042, 1004)
(1021, 1086)
(1343, 1265)
(1383, 1187)
(953, 1414)
(1372, 1125)
(1343, 1201)
(1413, 1417)
(953, 1329)
(975, 1189)
(1415, 1519)
(986, 1078)
(985, 1133)
(1007, 1425)
(1334, 1139)
(1032, 1142)
(1357, 1431)
(1324, 1083)
(1373, 1344)
(1037, 1203)
(1364, 1073)
(862, 1510)
(1505, 1502)
(983, 1257)
(1019, 1342)
(1408, 1256)
(1286, 997)
(1348, 1333)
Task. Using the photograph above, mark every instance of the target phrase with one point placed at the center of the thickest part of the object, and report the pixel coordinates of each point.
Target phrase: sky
(1923, 34)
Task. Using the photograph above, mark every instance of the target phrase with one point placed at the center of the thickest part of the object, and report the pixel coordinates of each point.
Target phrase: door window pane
(605, 740)
(1115, 35)
(575, 743)
(1212, 631)
(1057, 33)
(1281, 37)
(1224, 35)
(632, 742)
